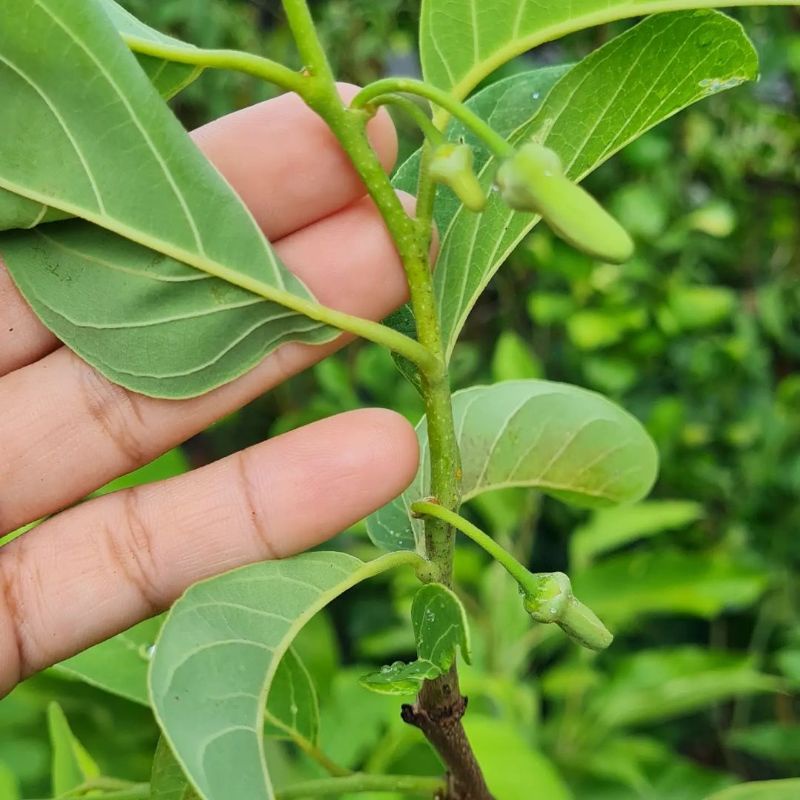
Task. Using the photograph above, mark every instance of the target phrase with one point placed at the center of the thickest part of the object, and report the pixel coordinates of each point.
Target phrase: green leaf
(167, 76)
(513, 359)
(72, 766)
(119, 665)
(769, 741)
(155, 301)
(788, 789)
(610, 528)
(440, 626)
(400, 678)
(630, 586)
(610, 98)
(167, 781)
(565, 441)
(463, 41)
(652, 686)
(217, 657)
(513, 769)
(292, 707)
(9, 785)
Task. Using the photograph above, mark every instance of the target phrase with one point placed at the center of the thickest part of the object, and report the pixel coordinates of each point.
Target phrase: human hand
(99, 567)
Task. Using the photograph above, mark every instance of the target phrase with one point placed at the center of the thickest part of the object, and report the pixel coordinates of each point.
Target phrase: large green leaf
(630, 586)
(788, 789)
(218, 655)
(160, 315)
(655, 685)
(463, 41)
(606, 101)
(568, 442)
(168, 78)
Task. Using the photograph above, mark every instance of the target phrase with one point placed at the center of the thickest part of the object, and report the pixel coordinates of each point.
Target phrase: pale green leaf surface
(610, 528)
(168, 78)
(148, 183)
(72, 766)
(788, 789)
(440, 626)
(217, 657)
(167, 781)
(463, 41)
(513, 769)
(629, 586)
(563, 440)
(655, 685)
(610, 98)
(292, 706)
(400, 678)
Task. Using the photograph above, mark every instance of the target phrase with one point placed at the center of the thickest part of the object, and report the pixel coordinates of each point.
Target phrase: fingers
(280, 158)
(286, 164)
(23, 338)
(59, 409)
(104, 565)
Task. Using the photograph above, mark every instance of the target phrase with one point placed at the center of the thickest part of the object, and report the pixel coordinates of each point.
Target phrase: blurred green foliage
(698, 336)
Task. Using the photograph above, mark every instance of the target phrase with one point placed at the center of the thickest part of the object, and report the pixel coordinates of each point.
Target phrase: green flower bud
(533, 180)
(551, 600)
(452, 165)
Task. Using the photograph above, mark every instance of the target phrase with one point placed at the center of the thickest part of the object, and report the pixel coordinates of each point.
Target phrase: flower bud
(452, 165)
(533, 180)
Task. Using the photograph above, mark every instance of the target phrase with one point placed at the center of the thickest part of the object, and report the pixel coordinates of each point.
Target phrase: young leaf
(568, 442)
(72, 765)
(172, 221)
(400, 678)
(788, 789)
(440, 626)
(615, 94)
(217, 658)
(9, 784)
(292, 707)
(167, 781)
(463, 41)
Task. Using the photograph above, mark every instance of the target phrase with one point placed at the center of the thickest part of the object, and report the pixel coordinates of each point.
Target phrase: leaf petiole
(367, 96)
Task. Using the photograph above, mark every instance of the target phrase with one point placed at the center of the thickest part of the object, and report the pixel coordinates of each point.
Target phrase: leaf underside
(565, 441)
(136, 299)
(586, 114)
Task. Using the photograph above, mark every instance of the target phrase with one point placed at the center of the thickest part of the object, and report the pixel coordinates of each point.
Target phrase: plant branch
(412, 110)
(361, 782)
(493, 140)
(440, 701)
(250, 64)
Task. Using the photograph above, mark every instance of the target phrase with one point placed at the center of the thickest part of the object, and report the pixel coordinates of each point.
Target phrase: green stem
(361, 782)
(521, 575)
(493, 140)
(247, 63)
(412, 110)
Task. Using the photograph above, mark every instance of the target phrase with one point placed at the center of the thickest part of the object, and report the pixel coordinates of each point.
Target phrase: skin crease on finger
(38, 613)
(100, 567)
(275, 154)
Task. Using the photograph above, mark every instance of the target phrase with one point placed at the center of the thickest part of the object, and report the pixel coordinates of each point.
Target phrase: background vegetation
(698, 336)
